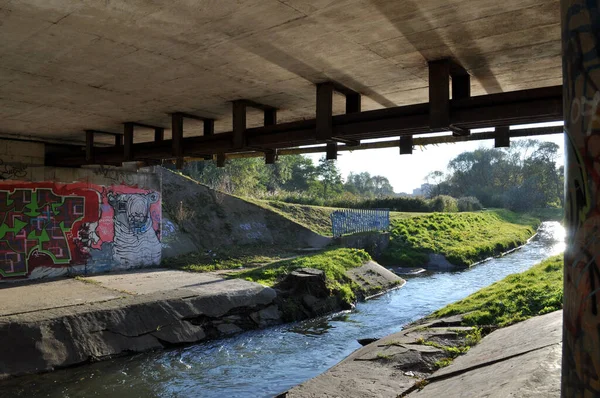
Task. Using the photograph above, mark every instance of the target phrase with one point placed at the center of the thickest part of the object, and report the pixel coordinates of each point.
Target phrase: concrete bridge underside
(67, 66)
(113, 81)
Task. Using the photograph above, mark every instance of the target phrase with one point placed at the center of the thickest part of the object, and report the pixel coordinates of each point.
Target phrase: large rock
(304, 293)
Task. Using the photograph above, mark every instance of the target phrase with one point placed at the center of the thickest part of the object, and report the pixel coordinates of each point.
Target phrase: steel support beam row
(504, 109)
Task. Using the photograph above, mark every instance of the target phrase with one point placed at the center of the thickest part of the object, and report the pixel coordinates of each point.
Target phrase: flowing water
(267, 362)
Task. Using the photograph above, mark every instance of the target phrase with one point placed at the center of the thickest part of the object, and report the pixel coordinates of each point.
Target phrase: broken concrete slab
(504, 343)
(385, 368)
(48, 338)
(374, 278)
(522, 360)
(535, 374)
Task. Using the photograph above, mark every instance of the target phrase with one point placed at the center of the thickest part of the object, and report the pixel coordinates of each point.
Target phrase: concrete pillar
(581, 85)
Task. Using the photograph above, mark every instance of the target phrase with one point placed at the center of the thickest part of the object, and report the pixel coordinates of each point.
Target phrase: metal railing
(352, 221)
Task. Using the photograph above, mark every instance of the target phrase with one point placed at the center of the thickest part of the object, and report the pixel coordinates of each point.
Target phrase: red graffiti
(57, 225)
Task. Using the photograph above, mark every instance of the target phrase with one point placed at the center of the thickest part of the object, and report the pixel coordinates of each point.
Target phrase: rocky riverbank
(520, 360)
(74, 321)
(524, 351)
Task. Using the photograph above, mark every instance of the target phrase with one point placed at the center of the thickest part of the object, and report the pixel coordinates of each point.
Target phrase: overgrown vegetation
(521, 178)
(233, 257)
(462, 238)
(513, 299)
(334, 263)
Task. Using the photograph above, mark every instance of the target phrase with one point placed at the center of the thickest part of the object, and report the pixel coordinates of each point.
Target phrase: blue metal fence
(351, 221)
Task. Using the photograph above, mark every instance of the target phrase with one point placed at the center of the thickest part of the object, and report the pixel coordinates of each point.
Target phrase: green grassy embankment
(463, 238)
(515, 298)
(315, 218)
(334, 263)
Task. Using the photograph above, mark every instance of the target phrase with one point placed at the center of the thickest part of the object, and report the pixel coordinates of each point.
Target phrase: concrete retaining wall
(374, 243)
(209, 220)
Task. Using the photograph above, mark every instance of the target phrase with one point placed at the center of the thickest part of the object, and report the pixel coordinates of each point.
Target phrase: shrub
(469, 203)
(444, 204)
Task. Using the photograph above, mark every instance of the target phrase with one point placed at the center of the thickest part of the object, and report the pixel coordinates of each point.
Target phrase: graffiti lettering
(581, 63)
(35, 222)
(12, 171)
(65, 225)
(586, 110)
(116, 175)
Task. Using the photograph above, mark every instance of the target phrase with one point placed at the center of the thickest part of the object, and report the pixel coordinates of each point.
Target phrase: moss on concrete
(333, 262)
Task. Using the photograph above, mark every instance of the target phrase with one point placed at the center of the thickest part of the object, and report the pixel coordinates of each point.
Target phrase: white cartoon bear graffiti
(135, 241)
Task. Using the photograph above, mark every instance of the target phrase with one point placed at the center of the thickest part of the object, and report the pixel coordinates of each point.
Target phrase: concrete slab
(522, 360)
(525, 336)
(536, 374)
(384, 369)
(160, 280)
(16, 298)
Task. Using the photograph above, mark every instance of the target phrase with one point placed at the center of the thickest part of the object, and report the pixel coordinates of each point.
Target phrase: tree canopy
(291, 174)
(521, 177)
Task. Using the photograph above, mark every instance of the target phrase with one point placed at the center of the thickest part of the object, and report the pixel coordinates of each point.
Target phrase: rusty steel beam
(420, 141)
(209, 127)
(406, 145)
(521, 107)
(177, 138)
(128, 145)
(439, 94)
(502, 139)
(324, 111)
(239, 123)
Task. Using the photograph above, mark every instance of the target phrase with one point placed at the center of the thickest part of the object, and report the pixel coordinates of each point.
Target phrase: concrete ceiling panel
(68, 65)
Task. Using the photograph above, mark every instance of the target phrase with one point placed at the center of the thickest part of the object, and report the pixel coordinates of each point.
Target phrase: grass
(315, 218)
(463, 238)
(513, 299)
(333, 262)
(233, 257)
(442, 363)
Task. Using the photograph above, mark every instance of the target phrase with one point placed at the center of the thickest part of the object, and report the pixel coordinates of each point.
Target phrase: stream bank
(100, 317)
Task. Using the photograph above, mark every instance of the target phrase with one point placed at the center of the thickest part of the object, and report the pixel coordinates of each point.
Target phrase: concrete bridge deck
(70, 65)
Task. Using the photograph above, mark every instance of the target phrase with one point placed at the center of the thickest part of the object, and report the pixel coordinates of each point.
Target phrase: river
(264, 363)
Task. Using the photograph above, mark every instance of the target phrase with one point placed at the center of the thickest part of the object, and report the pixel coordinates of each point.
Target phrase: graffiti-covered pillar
(581, 88)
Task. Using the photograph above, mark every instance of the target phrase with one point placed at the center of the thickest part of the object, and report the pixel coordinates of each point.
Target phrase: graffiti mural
(581, 74)
(136, 242)
(79, 226)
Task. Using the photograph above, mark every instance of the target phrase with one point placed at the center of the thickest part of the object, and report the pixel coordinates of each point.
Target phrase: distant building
(424, 190)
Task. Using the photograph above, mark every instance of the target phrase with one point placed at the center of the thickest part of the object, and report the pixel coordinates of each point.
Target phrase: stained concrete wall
(57, 221)
(209, 220)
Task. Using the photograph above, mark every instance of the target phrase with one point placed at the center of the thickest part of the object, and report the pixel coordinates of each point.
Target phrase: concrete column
(581, 85)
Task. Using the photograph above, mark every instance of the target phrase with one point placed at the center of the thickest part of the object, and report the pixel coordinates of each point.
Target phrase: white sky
(408, 172)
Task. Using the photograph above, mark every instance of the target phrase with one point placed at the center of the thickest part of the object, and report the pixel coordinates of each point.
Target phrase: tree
(329, 176)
